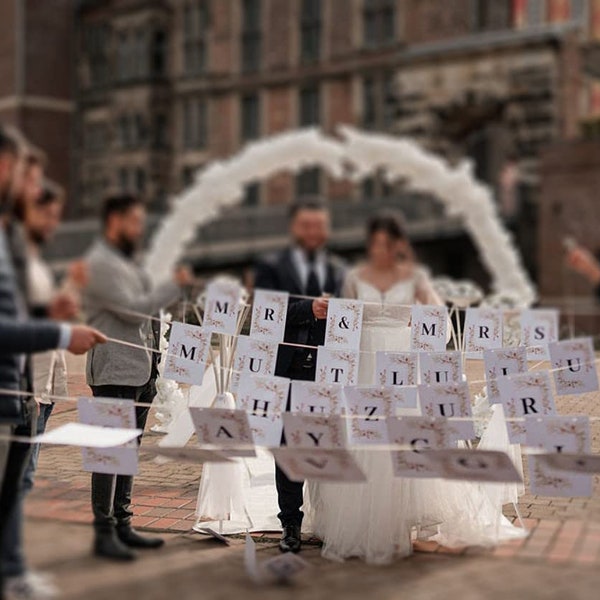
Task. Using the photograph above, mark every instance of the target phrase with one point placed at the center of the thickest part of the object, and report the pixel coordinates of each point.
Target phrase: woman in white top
(374, 520)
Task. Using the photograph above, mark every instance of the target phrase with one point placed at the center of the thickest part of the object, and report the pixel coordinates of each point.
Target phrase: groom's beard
(127, 246)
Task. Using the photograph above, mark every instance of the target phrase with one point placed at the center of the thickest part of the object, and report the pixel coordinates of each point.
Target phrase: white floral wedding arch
(356, 155)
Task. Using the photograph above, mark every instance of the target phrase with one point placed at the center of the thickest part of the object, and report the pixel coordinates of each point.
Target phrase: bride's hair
(390, 222)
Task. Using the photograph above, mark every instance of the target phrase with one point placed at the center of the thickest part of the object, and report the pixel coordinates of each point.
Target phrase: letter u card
(574, 364)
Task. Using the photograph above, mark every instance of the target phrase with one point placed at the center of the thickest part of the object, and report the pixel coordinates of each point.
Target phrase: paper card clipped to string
(449, 400)
(483, 331)
(539, 327)
(109, 413)
(523, 395)
(440, 367)
(428, 328)
(189, 347)
(315, 464)
(86, 436)
(222, 305)
(344, 323)
(222, 427)
(575, 366)
(279, 569)
(255, 356)
(264, 398)
(418, 434)
(499, 363)
(317, 398)
(367, 409)
(337, 366)
(490, 466)
(558, 434)
(314, 431)
(571, 463)
(269, 314)
(397, 368)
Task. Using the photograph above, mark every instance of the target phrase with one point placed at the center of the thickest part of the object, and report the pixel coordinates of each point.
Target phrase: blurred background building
(141, 94)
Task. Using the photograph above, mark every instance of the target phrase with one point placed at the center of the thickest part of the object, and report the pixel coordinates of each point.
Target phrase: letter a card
(221, 426)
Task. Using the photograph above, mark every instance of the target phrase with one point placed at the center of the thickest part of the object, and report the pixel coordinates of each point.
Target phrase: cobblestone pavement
(561, 555)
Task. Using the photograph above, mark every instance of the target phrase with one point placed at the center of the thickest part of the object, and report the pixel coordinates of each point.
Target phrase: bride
(374, 520)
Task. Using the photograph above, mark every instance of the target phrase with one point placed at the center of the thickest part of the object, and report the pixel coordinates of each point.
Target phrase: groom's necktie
(313, 287)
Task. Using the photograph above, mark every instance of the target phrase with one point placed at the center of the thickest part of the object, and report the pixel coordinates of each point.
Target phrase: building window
(308, 182)
(250, 117)
(125, 131)
(160, 133)
(378, 101)
(536, 12)
(579, 11)
(95, 138)
(194, 123)
(140, 55)
(96, 44)
(124, 182)
(369, 103)
(378, 22)
(251, 36)
(159, 54)
(140, 180)
(195, 34)
(492, 15)
(252, 195)
(310, 30)
(124, 56)
(310, 107)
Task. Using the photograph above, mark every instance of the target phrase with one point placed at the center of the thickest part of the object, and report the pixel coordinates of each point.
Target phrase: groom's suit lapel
(289, 274)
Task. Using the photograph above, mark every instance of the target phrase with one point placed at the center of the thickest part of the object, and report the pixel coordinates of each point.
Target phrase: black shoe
(108, 545)
(130, 537)
(290, 539)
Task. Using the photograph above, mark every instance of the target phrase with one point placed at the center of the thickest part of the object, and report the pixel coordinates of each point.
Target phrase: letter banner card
(317, 398)
(337, 366)
(367, 409)
(502, 362)
(483, 331)
(575, 463)
(314, 431)
(575, 364)
(116, 414)
(558, 434)
(420, 434)
(344, 323)
(269, 314)
(222, 427)
(523, 395)
(189, 346)
(539, 327)
(255, 356)
(440, 367)
(449, 400)
(397, 368)
(315, 464)
(224, 300)
(489, 466)
(428, 328)
(265, 399)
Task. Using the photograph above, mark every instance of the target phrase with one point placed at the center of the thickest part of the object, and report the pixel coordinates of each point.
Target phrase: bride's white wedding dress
(374, 520)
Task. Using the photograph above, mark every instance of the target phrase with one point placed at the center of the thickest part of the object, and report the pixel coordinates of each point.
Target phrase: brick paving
(563, 530)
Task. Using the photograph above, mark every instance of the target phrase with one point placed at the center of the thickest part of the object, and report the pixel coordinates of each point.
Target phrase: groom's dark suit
(280, 272)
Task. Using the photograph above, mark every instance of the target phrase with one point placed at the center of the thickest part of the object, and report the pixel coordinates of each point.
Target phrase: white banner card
(502, 362)
(187, 356)
(574, 364)
(255, 356)
(344, 323)
(397, 368)
(428, 328)
(222, 427)
(539, 327)
(483, 331)
(337, 366)
(269, 314)
(317, 398)
(314, 431)
(222, 306)
(367, 409)
(440, 367)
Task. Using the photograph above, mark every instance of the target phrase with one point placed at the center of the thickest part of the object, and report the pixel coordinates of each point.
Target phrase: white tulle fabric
(232, 498)
(374, 520)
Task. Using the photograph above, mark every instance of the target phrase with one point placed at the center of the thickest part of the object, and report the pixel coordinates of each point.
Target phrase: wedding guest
(19, 337)
(119, 300)
(310, 274)
(586, 264)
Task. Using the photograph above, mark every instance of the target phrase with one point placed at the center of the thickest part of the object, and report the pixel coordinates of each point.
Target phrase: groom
(304, 268)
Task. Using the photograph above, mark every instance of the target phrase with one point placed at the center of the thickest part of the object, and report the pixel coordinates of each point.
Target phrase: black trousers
(111, 494)
(290, 493)
(17, 460)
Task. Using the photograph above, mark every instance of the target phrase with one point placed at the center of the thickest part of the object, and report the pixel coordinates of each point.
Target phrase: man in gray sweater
(119, 301)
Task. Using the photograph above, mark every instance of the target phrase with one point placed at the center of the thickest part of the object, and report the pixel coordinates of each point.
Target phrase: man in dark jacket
(18, 338)
(310, 275)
